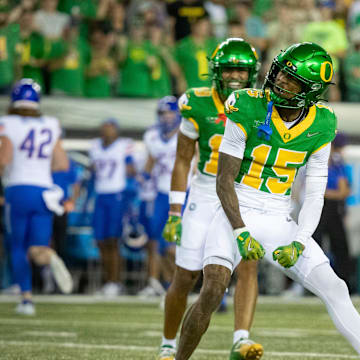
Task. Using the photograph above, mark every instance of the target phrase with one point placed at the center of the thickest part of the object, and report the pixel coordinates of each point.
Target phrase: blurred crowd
(152, 48)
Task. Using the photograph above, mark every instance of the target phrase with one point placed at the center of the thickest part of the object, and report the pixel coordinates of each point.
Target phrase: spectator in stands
(82, 9)
(333, 213)
(354, 14)
(236, 29)
(183, 14)
(193, 51)
(50, 22)
(117, 17)
(331, 36)
(352, 67)
(34, 51)
(255, 29)
(218, 17)
(112, 161)
(278, 39)
(165, 65)
(9, 36)
(136, 62)
(68, 72)
(101, 69)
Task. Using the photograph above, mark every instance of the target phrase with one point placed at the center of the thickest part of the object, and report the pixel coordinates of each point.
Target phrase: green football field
(129, 328)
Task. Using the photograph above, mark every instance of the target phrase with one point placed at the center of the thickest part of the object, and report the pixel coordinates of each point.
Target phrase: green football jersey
(271, 165)
(203, 107)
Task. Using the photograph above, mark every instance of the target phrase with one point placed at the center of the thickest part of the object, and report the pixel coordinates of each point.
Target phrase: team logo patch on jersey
(287, 136)
(192, 206)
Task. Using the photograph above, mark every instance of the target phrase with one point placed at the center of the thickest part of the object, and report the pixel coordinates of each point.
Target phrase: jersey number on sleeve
(31, 146)
(284, 157)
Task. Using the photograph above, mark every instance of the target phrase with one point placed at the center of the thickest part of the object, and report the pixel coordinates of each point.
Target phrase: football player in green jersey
(234, 66)
(269, 134)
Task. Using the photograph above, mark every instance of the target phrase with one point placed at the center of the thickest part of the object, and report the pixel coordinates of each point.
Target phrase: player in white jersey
(161, 142)
(113, 163)
(30, 149)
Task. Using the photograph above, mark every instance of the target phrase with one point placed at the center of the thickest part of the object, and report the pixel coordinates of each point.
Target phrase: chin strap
(264, 130)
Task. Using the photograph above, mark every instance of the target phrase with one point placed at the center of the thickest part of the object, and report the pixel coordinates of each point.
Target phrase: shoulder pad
(230, 103)
(184, 101)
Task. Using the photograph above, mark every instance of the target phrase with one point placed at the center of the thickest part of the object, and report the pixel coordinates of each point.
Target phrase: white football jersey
(110, 166)
(33, 140)
(164, 153)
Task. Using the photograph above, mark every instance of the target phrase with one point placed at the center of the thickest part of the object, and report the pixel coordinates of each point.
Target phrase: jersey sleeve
(317, 164)
(234, 140)
(189, 128)
(329, 122)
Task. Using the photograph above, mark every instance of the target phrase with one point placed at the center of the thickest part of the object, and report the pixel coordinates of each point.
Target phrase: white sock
(171, 342)
(323, 282)
(240, 334)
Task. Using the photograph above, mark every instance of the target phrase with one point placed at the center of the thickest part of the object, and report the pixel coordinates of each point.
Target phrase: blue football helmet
(168, 122)
(26, 93)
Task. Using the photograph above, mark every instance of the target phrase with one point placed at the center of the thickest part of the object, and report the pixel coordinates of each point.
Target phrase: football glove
(249, 248)
(288, 255)
(172, 229)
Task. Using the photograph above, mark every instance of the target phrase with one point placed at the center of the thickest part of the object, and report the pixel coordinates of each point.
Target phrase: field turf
(78, 328)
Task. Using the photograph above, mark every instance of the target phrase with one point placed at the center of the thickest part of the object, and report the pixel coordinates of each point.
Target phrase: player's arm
(60, 161)
(186, 146)
(310, 213)
(6, 153)
(184, 154)
(230, 157)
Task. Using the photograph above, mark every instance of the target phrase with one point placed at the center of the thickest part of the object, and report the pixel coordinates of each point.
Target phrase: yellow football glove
(249, 248)
(288, 255)
(172, 229)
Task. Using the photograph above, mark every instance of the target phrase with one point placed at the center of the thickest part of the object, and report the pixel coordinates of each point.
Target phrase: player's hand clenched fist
(249, 248)
(288, 255)
(172, 229)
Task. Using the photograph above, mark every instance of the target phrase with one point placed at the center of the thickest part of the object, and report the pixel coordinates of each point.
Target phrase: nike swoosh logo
(313, 134)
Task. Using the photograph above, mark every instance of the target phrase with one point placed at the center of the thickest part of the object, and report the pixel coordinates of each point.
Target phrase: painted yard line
(154, 349)
(126, 299)
(50, 333)
(268, 332)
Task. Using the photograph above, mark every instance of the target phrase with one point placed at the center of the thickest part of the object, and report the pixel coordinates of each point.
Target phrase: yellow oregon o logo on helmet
(289, 64)
(324, 69)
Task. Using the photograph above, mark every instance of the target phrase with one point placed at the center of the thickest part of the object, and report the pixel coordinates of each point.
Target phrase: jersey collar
(218, 103)
(290, 134)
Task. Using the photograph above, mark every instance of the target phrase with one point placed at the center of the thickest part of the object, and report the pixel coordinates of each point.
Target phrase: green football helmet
(233, 52)
(310, 65)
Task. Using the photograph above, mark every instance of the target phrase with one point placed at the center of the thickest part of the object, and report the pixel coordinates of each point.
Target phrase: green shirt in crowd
(352, 76)
(160, 75)
(193, 59)
(9, 36)
(34, 51)
(69, 79)
(135, 79)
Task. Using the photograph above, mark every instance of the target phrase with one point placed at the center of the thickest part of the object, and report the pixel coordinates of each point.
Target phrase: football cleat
(246, 349)
(61, 274)
(167, 352)
(25, 308)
